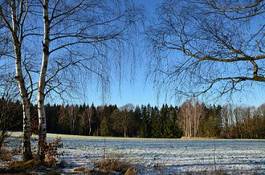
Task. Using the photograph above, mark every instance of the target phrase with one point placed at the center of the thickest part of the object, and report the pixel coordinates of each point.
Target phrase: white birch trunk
(26, 146)
(41, 84)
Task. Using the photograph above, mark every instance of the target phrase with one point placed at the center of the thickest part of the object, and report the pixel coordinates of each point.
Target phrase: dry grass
(82, 170)
(23, 165)
(112, 165)
(5, 155)
(50, 161)
(131, 171)
(100, 171)
(115, 164)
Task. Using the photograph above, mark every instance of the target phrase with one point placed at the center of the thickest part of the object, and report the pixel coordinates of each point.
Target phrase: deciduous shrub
(113, 164)
(51, 152)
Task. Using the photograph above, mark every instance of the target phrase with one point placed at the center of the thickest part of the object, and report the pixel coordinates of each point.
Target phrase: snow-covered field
(168, 156)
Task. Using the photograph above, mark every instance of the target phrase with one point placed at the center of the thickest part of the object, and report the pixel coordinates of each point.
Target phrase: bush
(51, 152)
(5, 155)
(108, 166)
(3, 136)
(112, 164)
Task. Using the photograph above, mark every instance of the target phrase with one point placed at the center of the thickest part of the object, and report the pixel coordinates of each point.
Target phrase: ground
(165, 156)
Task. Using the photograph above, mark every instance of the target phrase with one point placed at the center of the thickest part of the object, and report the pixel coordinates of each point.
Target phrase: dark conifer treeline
(191, 119)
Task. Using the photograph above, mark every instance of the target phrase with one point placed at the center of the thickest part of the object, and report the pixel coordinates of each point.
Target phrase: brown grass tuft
(110, 165)
(131, 171)
(23, 165)
(5, 155)
(82, 170)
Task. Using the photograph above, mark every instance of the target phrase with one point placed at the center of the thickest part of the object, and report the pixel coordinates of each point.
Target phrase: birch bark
(41, 84)
(14, 27)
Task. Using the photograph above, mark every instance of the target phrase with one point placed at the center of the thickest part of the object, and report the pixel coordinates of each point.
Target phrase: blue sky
(136, 90)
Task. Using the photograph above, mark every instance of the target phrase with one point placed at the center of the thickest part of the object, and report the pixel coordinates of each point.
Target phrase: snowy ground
(168, 156)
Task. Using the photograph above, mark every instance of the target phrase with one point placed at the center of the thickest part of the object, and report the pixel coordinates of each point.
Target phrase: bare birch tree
(13, 15)
(210, 45)
(191, 112)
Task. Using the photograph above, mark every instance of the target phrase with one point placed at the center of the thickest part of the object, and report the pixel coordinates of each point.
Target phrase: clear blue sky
(136, 90)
